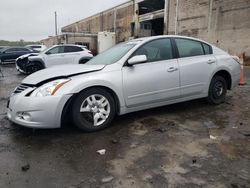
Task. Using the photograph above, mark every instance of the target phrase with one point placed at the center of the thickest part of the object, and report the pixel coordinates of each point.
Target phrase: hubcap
(218, 89)
(98, 107)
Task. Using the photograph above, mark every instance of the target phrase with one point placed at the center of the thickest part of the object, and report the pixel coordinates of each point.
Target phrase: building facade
(225, 23)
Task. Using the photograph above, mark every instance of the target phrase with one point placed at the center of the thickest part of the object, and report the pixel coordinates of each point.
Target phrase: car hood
(27, 55)
(58, 72)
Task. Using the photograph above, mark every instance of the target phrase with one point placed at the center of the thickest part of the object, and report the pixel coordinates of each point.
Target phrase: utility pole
(56, 24)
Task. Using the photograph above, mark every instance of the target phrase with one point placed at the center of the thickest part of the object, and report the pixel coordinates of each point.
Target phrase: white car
(56, 55)
(132, 76)
(36, 47)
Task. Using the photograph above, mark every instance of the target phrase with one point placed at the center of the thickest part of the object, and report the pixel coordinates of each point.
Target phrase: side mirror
(137, 59)
(48, 53)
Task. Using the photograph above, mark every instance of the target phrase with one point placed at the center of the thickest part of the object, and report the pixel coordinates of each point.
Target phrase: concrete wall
(225, 23)
(117, 19)
(72, 39)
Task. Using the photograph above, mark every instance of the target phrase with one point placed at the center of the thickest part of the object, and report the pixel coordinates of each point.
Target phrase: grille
(21, 63)
(20, 88)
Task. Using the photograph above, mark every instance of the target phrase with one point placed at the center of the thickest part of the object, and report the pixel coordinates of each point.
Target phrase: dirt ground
(191, 144)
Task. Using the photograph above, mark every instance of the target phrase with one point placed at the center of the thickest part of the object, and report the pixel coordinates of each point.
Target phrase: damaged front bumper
(36, 112)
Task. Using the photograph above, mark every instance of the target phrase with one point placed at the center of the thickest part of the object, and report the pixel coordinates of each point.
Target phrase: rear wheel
(217, 90)
(93, 109)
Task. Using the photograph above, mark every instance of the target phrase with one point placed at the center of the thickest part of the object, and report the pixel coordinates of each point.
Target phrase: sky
(33, 20)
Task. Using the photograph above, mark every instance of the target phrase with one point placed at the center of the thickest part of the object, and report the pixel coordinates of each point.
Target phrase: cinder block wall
(225, 23)
(117, 19)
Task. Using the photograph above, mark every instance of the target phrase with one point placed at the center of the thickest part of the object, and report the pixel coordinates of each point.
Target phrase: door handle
(210, 61)
(172, 69)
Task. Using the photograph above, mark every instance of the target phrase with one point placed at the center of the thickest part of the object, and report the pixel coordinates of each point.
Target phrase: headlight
(49, 89)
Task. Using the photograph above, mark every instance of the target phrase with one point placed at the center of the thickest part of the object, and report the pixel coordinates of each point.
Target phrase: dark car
(1, 47)
(11, 53)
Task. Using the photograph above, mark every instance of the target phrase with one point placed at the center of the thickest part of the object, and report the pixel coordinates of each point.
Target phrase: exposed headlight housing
(49, 89)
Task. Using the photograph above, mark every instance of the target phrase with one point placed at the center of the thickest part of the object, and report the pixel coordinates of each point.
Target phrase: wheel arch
(35, 60)
(84, 58)
(226, 75)
(66, 108)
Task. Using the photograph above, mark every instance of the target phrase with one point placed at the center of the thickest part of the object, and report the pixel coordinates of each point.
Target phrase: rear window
(35, 46)
(189, 48)
(207, 49)
(68, 49)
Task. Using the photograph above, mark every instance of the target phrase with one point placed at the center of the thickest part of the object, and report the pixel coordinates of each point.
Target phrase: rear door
(72, 54)
(196, 63)
(154, 81)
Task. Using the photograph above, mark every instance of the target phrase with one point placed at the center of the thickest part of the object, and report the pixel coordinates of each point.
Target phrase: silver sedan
(132, 76)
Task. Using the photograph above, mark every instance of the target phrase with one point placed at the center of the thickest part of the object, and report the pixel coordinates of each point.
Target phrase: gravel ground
(191, 144)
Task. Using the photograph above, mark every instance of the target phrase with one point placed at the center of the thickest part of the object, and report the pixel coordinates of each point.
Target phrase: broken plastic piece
(101, 151)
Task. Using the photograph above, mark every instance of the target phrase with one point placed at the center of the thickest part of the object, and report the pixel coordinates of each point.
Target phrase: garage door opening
(152, 27)
(149, 6)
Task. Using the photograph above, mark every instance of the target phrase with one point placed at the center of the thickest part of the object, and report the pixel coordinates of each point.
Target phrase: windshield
(111, 55)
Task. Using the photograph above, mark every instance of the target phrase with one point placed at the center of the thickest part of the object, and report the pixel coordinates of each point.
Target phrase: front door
(55, 56)
(156, 80)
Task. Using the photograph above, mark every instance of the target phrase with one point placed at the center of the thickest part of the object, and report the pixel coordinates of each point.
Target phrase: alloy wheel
(95, 109)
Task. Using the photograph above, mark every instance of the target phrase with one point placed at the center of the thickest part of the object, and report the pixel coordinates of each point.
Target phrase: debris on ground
(107, 179)
(211, 125)
(161, 130)
(101, 151)
(133, 145)
(212, 137)
(25, 167)
(114, 141)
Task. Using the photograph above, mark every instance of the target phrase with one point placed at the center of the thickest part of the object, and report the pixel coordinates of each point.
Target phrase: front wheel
(33, 68)
(217, 90)
(93, 109)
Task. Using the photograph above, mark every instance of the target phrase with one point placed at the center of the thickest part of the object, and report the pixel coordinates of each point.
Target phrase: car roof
(71, 45)
(10, 47)
(144, 39)
(35, 45)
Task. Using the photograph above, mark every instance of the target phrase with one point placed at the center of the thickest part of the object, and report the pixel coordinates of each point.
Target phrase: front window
(55, 50)
(157, 50)
(111, 55)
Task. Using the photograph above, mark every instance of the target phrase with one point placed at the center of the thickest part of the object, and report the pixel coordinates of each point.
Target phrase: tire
(33, 68)
(93, 109)
(217, 90)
